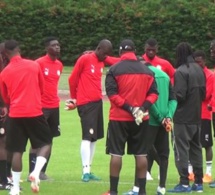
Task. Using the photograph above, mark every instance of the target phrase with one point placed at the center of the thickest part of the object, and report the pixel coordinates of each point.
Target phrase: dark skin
(53, 49)
(103, 49)
(151, 51)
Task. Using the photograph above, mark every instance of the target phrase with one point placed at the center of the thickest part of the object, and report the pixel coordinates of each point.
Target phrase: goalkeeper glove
(137, 112)
(70, 104)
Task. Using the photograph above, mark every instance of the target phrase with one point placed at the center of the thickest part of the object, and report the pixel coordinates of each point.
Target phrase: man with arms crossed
(21, 84)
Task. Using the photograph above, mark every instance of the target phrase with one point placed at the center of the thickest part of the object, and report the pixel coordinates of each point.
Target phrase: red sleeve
(209, 87)
(4, 93)
(74, 77)
(111, 60)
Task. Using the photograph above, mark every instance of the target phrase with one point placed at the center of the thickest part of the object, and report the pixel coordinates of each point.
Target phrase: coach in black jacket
(190, 89)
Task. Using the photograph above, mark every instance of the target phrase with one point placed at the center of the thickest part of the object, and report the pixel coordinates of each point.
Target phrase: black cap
(127, 45)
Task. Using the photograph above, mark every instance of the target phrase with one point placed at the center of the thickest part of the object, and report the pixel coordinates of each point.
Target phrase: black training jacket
(190, 89)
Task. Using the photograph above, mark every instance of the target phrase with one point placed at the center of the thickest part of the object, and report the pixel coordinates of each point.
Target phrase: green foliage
(81, 24)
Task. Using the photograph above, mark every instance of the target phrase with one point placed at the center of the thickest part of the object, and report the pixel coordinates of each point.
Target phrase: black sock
(142, 185)
(32, 161)
(114, 184)
(9, 174)
(3, 171)
(45, 165)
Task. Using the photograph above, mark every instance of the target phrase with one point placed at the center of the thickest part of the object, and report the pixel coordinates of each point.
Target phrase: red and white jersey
(52, 70)
(85, 79)
(162, 64)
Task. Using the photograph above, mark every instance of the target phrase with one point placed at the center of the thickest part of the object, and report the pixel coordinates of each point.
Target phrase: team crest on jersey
(58, 72)
(92, 68)
(91, 131)
(159, 67)
(46, 71)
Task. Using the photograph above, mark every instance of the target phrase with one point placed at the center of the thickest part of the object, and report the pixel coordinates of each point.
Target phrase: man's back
(190, 91)
(133, 82)
(21, 86)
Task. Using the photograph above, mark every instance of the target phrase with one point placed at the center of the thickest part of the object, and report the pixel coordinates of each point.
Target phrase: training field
(65, 165)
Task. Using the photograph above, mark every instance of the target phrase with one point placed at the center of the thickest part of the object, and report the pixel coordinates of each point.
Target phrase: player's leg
(16, 142)
(207, 143)
(196, 157)
(162, 148)
(181, 136)
(3, 162)
(115, 145)
(139, 143)
(40, 138)
(91, 131)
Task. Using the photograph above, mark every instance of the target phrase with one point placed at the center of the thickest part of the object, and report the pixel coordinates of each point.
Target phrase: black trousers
(187, 147)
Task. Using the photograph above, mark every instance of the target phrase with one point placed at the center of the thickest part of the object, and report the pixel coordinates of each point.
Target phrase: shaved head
(103, 49)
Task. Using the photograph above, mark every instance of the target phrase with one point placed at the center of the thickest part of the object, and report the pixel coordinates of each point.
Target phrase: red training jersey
(85, 80)
(206, 114)
(51, 70)
(161, 64)
(21, 84)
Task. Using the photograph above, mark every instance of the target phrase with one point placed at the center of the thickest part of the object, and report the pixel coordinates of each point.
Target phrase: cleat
(86, 177)
(207, 178)
(161, 191)
(197, 187)
(191, 177)
(34, 184)
(131, 192)
(148, 176)
(180, 189)
(44, 177)
(14, 192)
(109, 193)
(93, 177)
(7, 186)
(212, 184)
(106, 193)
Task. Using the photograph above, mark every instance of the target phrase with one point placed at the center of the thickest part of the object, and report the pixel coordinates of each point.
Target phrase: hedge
(82, 24)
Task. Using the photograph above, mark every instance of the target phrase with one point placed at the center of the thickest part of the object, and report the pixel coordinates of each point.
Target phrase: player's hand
(138, 114)
(70, 104)
(167, 123)
(209, 107)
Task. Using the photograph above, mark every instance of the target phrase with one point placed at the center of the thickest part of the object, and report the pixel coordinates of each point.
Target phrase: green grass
(65, 165)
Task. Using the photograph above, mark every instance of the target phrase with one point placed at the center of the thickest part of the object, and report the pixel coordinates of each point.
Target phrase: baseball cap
(127, 45)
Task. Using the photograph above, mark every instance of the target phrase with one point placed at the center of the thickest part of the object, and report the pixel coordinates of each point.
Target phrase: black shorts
(91, 115)
(21, 129)
(206, 133)
(53, 118)
(121, 132)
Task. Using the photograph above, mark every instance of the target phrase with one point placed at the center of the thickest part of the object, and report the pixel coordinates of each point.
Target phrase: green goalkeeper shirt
(166, 103)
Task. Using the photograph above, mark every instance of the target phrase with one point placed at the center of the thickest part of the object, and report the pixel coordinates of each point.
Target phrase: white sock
(16, 179)
(190, 168)
(208, 167)
(85, 155)
(40, 162)
(92, 151)
(135, 189)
